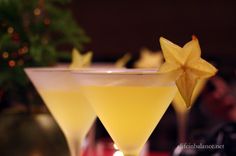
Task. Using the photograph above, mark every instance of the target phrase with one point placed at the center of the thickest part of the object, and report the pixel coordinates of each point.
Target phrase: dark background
(120, 26)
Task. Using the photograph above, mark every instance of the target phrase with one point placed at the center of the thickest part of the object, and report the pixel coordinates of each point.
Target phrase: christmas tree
(33, 33)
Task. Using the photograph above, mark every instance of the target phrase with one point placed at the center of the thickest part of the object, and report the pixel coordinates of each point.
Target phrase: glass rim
(94, 70)
(116, 71)
(48, 69)
(99, 71)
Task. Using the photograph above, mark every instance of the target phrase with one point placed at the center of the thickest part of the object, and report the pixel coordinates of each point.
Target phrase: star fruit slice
(189, 65)
(80, 60)
(149, 59)
(121, 62)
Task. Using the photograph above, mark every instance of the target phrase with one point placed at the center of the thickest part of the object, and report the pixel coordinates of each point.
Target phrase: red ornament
(12, 63)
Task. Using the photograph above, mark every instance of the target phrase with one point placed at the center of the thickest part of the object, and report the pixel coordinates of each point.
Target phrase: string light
(37, 11)
(10, 30)
(5, 55)
(11, 63)
(23, 50)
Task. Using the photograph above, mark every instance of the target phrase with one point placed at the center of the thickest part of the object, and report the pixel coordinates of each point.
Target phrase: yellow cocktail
(66, 103)
(129, 103)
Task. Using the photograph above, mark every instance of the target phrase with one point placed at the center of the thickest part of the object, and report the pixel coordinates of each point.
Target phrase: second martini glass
(129, 103)
(66, 103)
(182, 111)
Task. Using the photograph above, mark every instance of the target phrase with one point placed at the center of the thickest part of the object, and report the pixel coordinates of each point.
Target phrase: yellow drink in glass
(130, 113)
(66, 103)
(129, 103)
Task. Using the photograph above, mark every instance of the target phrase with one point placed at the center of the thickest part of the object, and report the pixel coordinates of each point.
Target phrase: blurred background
(43, 33)
(117, 27)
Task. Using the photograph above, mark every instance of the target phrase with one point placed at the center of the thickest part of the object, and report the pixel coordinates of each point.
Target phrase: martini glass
(129, 102)
(182, 111)
(66, 103)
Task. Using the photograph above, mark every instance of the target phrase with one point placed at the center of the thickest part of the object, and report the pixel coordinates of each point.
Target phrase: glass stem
(91, 140)
(182, 126)
(74, 147)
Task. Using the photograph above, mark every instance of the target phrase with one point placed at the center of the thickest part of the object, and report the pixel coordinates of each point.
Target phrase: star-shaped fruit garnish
(80, 60)
(121, 62)
(188, 63)
(149, 59)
